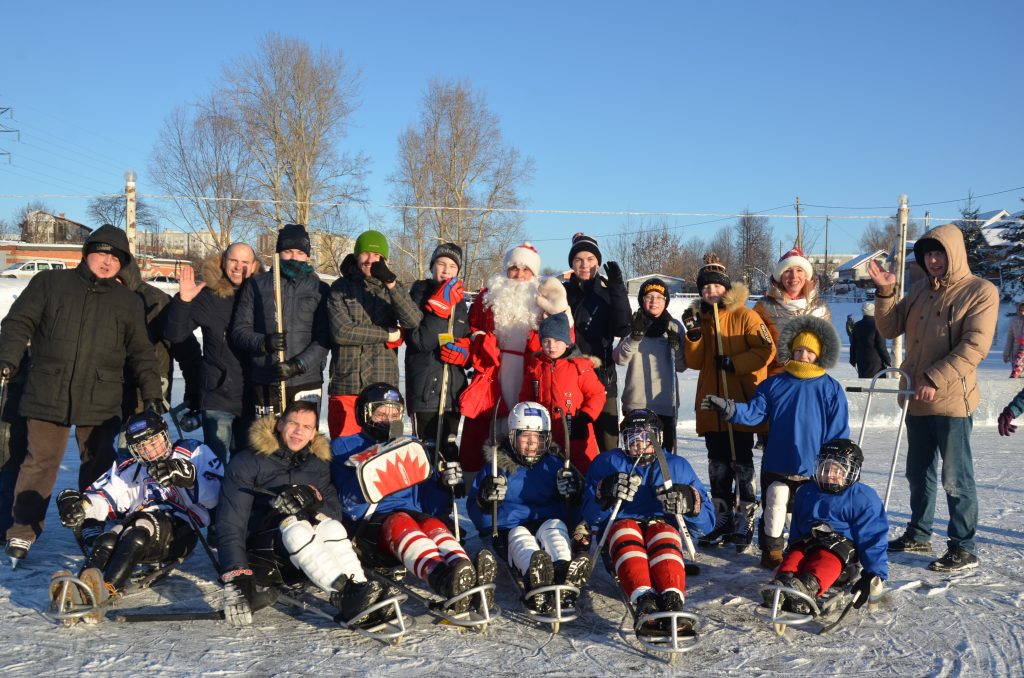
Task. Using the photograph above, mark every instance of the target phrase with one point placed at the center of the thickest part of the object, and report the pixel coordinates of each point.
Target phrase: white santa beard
(514, 307)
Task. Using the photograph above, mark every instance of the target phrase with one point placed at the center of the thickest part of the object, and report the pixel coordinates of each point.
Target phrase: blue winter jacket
(427, 497)
(856, 513)
(802, 414)
(644, 505)
(532, 495)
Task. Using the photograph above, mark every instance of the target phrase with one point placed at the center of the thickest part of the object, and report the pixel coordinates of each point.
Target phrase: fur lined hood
(572, 352)
(264, 441)
(505, 461)
(216, 281)
(820, 328)
(733, 298)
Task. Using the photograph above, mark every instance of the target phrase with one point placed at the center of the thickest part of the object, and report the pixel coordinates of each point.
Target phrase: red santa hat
(523, 256)
(794, 257)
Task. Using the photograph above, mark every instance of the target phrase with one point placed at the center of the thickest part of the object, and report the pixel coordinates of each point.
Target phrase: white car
(27, 269)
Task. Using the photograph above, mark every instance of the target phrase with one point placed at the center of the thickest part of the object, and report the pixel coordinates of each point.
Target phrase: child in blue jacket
(804, 407)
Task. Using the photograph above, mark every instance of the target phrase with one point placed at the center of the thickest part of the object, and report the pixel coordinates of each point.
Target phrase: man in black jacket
(868, 352)
(209, 305)
(84, 328)
(601, 313)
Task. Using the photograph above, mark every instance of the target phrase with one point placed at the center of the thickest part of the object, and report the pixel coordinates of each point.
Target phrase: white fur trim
(788, 261)
(523, 256)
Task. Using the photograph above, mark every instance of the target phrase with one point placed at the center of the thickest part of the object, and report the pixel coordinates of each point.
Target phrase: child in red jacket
(559, 376)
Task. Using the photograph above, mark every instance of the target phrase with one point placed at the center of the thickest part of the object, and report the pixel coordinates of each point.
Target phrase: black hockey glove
(71, 506)
(672, 337)
(691, 324)
(568, 483)
(155, 405)
(492, 489)
(288, 369)
(725, 408)
(274, 342)
(613, 272)
(176, 472)
(237, 596)
(296, 499)
(451, 477)
(642, 322)
(724, 362)
(191, 420)
(679, 500)
(862, 589)
(7, 369)
(379, 270)
(617, 486)
(580, 428)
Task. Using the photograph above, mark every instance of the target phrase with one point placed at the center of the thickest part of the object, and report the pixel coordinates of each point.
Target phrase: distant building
(818, 263)
(674, 284)
(855, 269)
(43, 227)
(173, 244)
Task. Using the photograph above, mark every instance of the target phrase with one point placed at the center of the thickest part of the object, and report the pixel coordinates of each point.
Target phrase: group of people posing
(515, 397)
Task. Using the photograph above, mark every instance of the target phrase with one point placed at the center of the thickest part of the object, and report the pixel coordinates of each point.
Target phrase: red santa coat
(570, 383)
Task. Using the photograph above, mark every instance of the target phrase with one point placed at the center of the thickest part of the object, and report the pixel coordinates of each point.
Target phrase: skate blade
(471, 618)
(776, 615)
(391, 629)
(671, 640)
(560, 614)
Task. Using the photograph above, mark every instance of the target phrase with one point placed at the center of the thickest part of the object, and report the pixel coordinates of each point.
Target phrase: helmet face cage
(835, 472)
(147, 439)
(377, 407)
(529, 427)
(641, 441)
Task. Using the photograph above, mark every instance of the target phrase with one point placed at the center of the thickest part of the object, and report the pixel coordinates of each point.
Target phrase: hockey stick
(568, 461)
(725, 394)
(494, 470)
(440, 421)
(614, 514)
(199, 533)
(846, 610)
(666, 476)
(280, 321)
(170, 616)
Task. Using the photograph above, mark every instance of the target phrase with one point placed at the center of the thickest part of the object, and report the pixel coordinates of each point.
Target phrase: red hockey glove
(455, 352)
(445, 298)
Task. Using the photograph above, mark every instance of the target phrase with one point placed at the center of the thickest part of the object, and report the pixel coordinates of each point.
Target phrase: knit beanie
(372, 241)
(652, 285)
(106, 248)
(555, 327)
(806, 340)
(583, 243)
(108, 239)
(868, 309)
(794, 257)
(712, 273)
(523, 256)
(448, 250)
(293, 237)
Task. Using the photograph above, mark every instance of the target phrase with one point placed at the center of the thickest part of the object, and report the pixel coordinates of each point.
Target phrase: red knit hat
(794, 257)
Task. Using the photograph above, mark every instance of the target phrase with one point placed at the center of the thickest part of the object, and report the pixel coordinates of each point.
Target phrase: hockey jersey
(127, 488)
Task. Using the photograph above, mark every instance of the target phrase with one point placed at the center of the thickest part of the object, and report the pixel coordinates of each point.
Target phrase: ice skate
(540, 572)
(486, 573)
(451, 580)
(101, 593)
(17, 549)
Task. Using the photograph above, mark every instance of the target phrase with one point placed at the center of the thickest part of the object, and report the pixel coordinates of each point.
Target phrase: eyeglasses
(651, 298)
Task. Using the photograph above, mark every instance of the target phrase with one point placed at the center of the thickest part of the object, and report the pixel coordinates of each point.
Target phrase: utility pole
(799, 233)
(129, 209)
(927, 218)
(4, 128)
(903, 216)
(828, 276)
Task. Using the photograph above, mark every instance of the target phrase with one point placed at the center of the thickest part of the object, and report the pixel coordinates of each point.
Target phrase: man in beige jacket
(949, 318)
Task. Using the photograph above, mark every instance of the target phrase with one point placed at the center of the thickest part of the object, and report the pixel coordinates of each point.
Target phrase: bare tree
(294, 106)
(202, 160)
(455, 177)
(112, 209)
(884, 236)
(752, 257)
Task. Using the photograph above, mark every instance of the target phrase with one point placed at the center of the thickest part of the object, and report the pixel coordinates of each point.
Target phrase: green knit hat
(372, 241)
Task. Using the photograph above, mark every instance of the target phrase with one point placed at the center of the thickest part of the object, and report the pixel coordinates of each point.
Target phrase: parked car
(27, 269)
(169, 279)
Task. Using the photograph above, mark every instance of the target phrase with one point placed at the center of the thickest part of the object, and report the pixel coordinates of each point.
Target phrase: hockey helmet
(839, 463)
(146, 437)
(529, 432)
(641, 435)
(379, 410)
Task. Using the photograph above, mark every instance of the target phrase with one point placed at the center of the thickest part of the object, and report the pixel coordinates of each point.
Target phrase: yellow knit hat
(806, 340)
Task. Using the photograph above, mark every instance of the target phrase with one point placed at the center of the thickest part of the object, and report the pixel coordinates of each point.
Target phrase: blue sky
(625, 107)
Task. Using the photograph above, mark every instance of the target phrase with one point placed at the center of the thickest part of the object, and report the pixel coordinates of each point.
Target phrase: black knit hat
(583, 243)
(293, 237)
(448, 250)
(652, 285)
(109, 239)
(712, 273)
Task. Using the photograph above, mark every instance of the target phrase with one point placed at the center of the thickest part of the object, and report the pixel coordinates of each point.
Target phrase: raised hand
(880, 276)
(188, 288)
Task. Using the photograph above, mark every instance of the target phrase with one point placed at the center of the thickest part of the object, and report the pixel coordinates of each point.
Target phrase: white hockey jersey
(127, 488)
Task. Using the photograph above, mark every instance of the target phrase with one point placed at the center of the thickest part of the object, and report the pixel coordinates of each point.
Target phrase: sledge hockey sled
(389, 632)
(834, 599)
(561, 613)
(71, 599)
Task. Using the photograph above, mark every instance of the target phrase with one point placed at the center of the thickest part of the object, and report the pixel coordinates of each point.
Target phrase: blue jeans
(928, 439)
(219, 433)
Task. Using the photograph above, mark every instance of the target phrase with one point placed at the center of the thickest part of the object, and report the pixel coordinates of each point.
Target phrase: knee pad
(335, 540)
(308, 553)
(553, 536)
(521, 545)
(776, 497)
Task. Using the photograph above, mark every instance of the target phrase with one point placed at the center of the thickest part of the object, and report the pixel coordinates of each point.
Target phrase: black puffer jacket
(222, 375)
(83, 331)
(600, 312)
(868, 352)
(267, 465)
(305, 323)
(423, 366)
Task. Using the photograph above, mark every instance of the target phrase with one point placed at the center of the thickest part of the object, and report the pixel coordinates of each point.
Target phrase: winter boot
(540, 572)
(101, 592)
(73, 596)
(486, 573)
(771, 558)
(955, 559)
(576, 573)
(672, 601)
(352, 598)
(646, 604)
(909, 545)
(723, 524)
(743, 525)
(16, 549)
(451, 580)
(807, 584)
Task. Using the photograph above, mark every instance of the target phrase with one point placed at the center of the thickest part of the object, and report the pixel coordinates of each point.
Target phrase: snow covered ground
(968, 626)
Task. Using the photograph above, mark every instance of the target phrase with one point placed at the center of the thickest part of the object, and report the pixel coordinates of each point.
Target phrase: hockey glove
(613, 272)
(288, 369)
(672, 336)
(176, 472)
(275, 342)
(456, 352)
(725, 408)
(617, 486)
(580, 429)
(691, 324)
(71, 506)
(679, 500)
(445, 298)
(724, 362)
(862, 589)
(191, 420)
(296, 499)
(568, 483)
(155, 405)
(451, 477)
(1006, 425)
(492, 489)
(7, 369)
(641, 322)
(237, 594)
(379, 270)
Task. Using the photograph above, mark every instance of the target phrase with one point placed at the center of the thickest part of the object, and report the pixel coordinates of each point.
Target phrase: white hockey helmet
(529, 416)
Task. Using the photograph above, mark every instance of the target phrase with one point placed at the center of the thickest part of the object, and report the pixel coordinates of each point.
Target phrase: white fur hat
(794, 257)
(523, 256)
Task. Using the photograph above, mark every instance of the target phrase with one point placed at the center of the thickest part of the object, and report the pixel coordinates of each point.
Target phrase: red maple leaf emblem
(364, 455)
(400, 472)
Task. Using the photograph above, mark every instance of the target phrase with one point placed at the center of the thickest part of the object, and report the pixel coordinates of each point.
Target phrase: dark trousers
(606, 428)
(426, 430)
(721, 471)
(38, 474)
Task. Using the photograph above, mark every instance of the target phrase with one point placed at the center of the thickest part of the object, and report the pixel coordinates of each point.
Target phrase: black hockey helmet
(384, 401)
(839, 464)
(145, 435)
(641, 435)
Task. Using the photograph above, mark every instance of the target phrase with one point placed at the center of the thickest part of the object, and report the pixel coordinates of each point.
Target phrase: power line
(919, 204)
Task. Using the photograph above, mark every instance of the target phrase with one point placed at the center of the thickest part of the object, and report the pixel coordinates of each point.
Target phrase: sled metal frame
(671, 644)
(438, 607)
(561, 614)
(781, 619)
(907, 393)
(388, 632)
(61, 609)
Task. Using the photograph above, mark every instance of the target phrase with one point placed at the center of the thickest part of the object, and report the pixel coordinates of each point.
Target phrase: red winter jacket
(571, 383)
